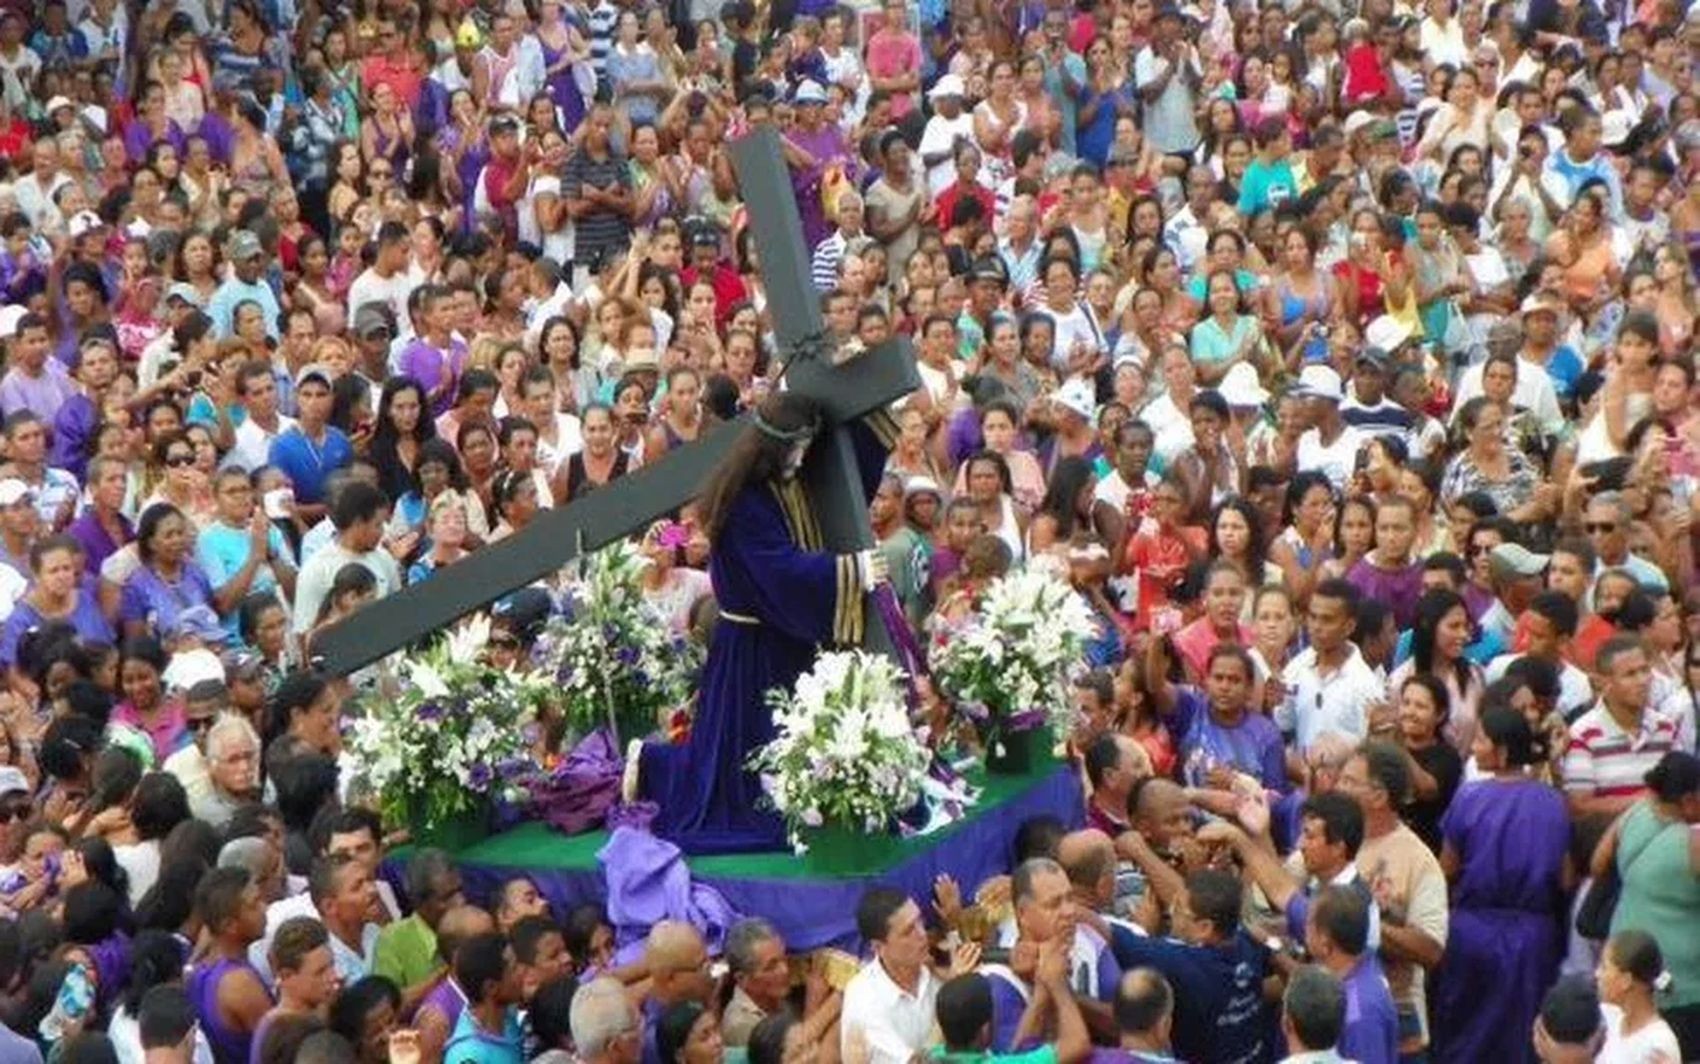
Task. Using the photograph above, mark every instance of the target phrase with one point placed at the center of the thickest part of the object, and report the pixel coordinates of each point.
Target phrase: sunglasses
(1599, 526)
(10, 813)
(199, 724)
(503, 642)
(179, 461)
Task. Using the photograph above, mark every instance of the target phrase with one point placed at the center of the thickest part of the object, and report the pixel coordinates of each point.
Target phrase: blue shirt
(306, 463)
(1266, 185)
(1219, 1009)
(471, 1044)
(221, 308)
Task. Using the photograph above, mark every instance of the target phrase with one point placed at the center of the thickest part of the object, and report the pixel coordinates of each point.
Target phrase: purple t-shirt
(86, 618)
(147, 597)
(1253, 746)
(97, 543)
(1371, 1031)
(424, 363)
(1399, 588)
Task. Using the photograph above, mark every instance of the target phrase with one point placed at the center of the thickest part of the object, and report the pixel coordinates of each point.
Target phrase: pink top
(1195, 642)
(891, 54)
(168, 733)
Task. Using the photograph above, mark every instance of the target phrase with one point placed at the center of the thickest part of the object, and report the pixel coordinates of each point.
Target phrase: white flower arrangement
(612, 654)
(845, 754)
(1008, 668)
(457, 735)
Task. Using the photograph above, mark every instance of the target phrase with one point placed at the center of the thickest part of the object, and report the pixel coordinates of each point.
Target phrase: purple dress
(1507, 927)
(562, 88)
(470, 166)
(228, 1046)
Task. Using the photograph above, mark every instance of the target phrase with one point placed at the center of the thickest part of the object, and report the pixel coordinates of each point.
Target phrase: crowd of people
(1340, 354)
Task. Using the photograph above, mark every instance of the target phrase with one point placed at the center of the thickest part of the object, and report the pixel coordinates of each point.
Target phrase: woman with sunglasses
(179, 480)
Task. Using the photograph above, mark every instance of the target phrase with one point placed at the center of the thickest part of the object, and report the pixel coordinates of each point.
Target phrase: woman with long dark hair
(1439, 635)
(781, 595)
(402, 428)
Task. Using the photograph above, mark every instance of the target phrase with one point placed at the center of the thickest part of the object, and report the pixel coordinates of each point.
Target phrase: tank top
(229, 1046)
(578, 480)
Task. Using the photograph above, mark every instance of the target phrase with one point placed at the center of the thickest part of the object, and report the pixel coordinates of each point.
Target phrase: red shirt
(1366, 79)
(402, 77)
(729, 290)
(947, 201)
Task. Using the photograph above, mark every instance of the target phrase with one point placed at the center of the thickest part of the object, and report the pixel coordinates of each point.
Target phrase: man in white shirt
(888, 1005)
(35, 190)
(256, 390)
(1329, 446)
(1330, 688)
(387, 280)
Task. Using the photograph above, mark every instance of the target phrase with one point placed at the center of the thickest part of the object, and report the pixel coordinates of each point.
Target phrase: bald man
(1162, 828)
(677, 959)
(441, 1007)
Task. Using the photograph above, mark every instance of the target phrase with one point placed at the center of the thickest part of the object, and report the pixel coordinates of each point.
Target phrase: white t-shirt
(939, 136)
(392, 292)
(12, 588)
(1335, 460)
(1653, 1044)
(253, 443)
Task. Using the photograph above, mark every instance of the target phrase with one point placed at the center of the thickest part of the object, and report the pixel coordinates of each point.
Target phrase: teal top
(1661, 894)
(1040, 1055)
(1211, 345)
(471, 1044)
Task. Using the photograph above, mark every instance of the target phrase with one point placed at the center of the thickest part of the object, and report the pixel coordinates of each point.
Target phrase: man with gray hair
(233, 770)
(1045, 911)
(605, 1025)
(263, 862)
(761, 976)
(848, 213)
(1607, 522)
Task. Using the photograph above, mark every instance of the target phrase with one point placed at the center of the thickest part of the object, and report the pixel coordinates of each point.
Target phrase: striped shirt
(602, 228)
(1604, 761)
(602, 19)
(829, 254)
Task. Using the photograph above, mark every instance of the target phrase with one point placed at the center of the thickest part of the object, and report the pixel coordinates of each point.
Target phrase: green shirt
(406, 953)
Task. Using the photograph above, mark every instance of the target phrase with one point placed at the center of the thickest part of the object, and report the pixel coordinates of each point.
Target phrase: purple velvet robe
(791, 598)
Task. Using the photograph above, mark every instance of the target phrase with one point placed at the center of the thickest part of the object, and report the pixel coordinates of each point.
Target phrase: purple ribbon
(909, 654)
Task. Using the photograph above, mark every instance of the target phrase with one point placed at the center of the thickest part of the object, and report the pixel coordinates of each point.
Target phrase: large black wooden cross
(845, 391)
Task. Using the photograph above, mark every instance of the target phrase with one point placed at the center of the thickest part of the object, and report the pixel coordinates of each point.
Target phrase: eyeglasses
(1592, 527)
(179, 461)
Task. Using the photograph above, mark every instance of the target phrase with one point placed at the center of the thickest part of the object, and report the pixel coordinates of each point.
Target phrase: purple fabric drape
(647, 881)
(578, 794)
